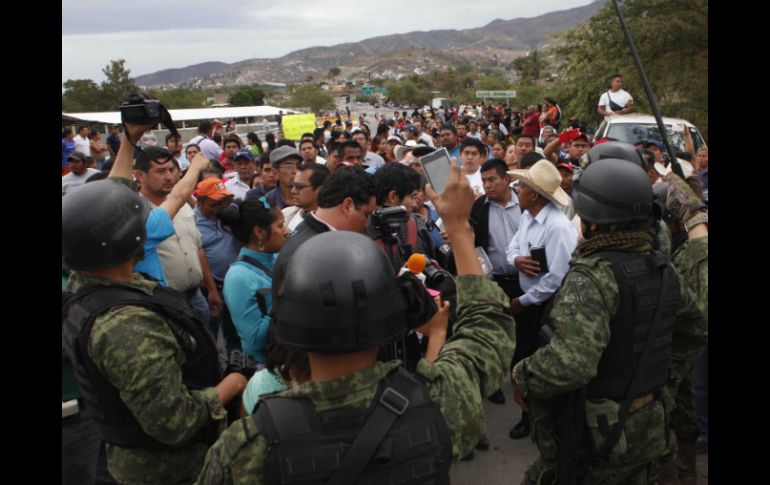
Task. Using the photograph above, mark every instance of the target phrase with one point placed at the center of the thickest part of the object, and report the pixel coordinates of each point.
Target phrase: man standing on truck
(615, 101)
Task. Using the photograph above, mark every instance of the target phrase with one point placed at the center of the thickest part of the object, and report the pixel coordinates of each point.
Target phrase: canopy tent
(113, 117)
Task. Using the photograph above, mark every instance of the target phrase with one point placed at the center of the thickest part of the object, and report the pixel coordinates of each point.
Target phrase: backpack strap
(262, 292)
(390, 404)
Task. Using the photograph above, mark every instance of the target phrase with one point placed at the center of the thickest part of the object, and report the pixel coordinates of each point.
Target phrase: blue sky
(164, 34)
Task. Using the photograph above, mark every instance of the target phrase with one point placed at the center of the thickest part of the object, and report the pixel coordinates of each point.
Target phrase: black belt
(191, 292)
(506, 277)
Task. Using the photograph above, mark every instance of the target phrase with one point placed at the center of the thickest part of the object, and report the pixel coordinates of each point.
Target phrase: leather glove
(681, 200)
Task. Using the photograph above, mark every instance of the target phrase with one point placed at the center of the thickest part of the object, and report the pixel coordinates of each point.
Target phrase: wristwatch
(701, 218)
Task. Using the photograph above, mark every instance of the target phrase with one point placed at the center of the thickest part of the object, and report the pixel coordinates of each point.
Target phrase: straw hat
(402, 149)
(545, 179)
(663, 170)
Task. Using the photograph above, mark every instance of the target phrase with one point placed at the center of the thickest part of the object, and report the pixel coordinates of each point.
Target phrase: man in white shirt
(615, 101)
(371, 159)
(542, 226)
(82, 143)
(245, 167)
(309, 151)
(79, 172)
(304, 192)
(209, 148)
(474, 130)
(184, 261)
(473, 154)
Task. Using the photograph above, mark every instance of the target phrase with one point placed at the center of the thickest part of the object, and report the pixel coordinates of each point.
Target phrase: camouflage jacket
(472, 364)
(691, 260)
(583, 309)
(137, 352)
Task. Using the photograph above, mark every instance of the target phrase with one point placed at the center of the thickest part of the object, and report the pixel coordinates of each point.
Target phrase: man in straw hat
(545, 229)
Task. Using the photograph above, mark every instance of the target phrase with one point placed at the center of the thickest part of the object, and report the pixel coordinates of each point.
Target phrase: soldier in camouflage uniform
(686, 216)
(614, 201)
(471, 365)
(135, 363)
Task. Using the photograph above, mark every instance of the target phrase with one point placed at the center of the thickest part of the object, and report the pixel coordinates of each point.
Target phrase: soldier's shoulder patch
(575, 288)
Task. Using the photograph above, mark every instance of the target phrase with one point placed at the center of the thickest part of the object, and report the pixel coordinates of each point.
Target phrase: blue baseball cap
(244, 153)
(657, 143)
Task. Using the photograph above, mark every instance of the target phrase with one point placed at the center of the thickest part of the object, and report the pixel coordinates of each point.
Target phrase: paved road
(506, 460)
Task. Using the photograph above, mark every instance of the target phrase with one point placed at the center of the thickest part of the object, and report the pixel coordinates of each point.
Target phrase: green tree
(407, 91)
(82, 95)
(334, 72)
(671, 37)
(182, 98)
(310, 96)
(492, 83)
(247, 96)
(119, 83)
(85, 95)
(531, 66)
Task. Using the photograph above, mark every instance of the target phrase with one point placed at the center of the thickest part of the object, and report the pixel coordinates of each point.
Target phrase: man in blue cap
(246, 168)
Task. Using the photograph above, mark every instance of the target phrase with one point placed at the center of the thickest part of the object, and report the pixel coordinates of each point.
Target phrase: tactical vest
(116, 423)
(639, 284)
(305, 446)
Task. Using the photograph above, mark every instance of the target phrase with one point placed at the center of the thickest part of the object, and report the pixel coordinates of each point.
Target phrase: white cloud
(153, 35)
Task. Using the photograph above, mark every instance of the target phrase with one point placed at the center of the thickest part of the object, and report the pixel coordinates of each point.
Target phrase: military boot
(685, 463)
(667, 472)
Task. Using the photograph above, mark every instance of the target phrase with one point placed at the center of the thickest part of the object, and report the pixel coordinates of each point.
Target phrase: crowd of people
(182, 263)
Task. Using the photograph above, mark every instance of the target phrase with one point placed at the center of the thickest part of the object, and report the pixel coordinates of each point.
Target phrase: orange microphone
(416, 263)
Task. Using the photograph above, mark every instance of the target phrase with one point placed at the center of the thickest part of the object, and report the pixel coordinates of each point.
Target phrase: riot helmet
(338, 295)
(616, 149)
(103, 225)
(612, 191)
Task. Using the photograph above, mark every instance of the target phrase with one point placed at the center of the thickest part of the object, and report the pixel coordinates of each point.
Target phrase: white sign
(495, 94)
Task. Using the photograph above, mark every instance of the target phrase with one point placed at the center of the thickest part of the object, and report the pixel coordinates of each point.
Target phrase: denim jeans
(225, 322)
(700, 392)
(83, 456)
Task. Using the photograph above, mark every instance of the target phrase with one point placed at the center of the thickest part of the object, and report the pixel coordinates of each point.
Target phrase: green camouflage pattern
(690, 340)
(691, 259)
(137, 352)
(663, 238)
(472, 364)
(582, 311)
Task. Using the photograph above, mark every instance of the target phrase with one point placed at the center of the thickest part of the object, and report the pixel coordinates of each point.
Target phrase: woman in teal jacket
(247, 284)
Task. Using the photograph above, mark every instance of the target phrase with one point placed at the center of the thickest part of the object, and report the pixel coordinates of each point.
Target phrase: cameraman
(396, 232)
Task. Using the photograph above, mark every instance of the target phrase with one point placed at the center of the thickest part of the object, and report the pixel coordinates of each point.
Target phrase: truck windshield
(634, 132)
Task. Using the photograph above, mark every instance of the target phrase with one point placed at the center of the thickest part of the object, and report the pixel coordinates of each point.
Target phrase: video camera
(387, 222)
(141, 109)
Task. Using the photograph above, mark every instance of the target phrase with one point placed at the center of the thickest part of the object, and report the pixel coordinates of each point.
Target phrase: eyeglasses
(289, 165)
(299, 186)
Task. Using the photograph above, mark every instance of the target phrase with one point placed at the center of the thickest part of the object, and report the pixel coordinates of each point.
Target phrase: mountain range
(391, 57)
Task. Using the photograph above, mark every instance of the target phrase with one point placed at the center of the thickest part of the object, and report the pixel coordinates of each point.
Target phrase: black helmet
(613, 191)
(339, 294)
(103, 225)
(616, 149)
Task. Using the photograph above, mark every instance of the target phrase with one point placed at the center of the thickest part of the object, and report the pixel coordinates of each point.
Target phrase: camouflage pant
(684, 421)
(645, 435)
